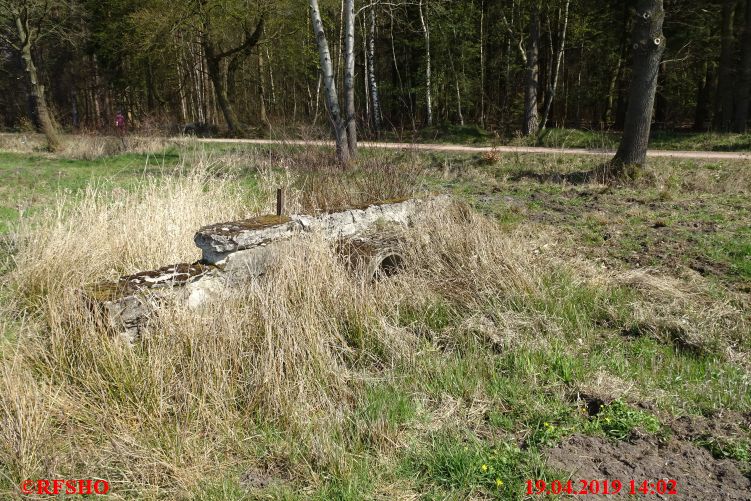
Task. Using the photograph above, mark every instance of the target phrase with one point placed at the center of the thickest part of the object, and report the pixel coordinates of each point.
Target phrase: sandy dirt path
(449, 148)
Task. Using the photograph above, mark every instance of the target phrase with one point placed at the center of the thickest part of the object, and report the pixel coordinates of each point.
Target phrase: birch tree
(531, 117)
(373, 81)
(428, 69)
(349, 75)
(553, 82)
(338, 123)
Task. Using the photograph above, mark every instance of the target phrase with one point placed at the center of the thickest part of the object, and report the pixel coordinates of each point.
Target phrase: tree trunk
(338, 124)
(531, 119)
(482, 63)
(578, 114)
(182, 82)
(407, 102)
(456, 83)
(428, 75)
(216, 68)
(318, 98)
(507, 71)
(661, 100)
(262, 115)
(271, 80)
(371, 72)
(553, 85)
(349, 76)
(744, 82)
(74, 116)
(703, 99)
(366, 74)
(606, 115)
(216, 74)
(649, 45)
(36, 88)
(724, 99)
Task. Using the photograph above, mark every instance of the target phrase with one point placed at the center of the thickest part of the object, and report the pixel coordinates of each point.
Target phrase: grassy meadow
(523, 306)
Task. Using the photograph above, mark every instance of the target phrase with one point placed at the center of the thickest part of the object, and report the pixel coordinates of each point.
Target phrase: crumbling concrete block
(125, 306)
(218, 241)
(238, 251)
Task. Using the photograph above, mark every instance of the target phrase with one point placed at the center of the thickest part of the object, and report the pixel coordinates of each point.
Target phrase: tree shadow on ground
(605, 173)
(575, 178)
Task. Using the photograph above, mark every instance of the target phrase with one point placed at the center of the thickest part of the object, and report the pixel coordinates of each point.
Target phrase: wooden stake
(279, 201)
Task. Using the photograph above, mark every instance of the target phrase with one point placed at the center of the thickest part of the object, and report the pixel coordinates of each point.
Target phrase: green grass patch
(458, 465)
(31, 182)
(659, 140)
(618, 420)
(736, 449)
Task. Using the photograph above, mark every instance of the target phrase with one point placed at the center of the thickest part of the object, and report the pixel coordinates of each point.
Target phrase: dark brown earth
(256, 479)
(699, 476)
(722, 425)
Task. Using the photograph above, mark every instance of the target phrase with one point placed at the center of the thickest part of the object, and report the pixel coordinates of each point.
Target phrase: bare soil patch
(699, 476)
(726, 424)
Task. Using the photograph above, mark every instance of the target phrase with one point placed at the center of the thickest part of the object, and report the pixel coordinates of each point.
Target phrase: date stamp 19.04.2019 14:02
(602, 487)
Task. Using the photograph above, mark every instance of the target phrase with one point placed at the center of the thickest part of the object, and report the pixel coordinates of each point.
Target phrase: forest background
(440, 67)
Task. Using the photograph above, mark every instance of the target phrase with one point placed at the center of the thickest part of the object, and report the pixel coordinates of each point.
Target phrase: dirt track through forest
(451, 148)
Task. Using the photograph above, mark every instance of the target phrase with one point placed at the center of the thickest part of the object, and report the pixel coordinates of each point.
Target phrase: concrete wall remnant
(237, 251)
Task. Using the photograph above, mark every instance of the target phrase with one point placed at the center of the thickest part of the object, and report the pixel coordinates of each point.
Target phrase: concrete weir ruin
(233, 253)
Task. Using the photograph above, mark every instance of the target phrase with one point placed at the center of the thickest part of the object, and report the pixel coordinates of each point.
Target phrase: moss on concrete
(256, 223)
(179, 274)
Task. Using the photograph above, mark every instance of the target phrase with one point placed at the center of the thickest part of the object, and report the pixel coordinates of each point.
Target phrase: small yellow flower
(484, 467)
(547, 425)
(607, 419)
(498, 483)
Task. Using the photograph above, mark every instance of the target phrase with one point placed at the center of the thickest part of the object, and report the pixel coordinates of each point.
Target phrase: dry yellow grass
(294, 351)
(85, 146)
(283, 349)
(107, 233)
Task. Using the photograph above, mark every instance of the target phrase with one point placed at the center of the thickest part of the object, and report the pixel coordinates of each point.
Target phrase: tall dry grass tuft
(86, 146)
(105, 233)
(377, 177)
(685, 314)
(25, 142)
(292, 349)
(28, 423)
(92, 146)
(274, 348)
(320, 183)
(468, 259)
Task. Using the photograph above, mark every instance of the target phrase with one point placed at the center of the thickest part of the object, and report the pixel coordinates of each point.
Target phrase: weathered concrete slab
(357, 220)
(238, 251)
(218, 241)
